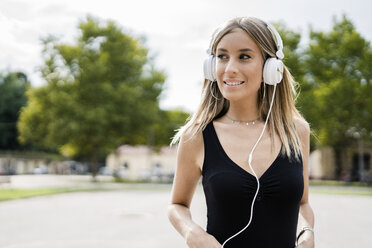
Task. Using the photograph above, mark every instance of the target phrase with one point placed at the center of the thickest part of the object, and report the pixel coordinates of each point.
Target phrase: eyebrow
(240, 50)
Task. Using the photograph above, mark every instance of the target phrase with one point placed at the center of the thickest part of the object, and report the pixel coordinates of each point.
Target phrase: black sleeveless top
(229, 191)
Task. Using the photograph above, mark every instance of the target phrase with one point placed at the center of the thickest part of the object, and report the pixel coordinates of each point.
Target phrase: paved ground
(136, 218)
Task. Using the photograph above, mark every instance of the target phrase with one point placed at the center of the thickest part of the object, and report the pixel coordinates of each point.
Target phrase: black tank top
(229, 191)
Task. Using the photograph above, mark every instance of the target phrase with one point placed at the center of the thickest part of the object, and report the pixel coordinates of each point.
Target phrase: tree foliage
(338, 80)
(168, 122)
(101, 91)
(338, 65)
(13, 86)
(335, 78)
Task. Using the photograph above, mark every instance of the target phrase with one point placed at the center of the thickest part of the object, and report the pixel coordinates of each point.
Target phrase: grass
(32, 154)
(340, 192)
(338, 183)
(13, 194)
(141, 181)
(340, 187)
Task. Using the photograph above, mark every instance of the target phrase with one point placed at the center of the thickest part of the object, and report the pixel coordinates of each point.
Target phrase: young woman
(250, 146)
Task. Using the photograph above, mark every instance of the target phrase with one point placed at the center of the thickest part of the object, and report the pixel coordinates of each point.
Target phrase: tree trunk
(338, 163)
(94, 164)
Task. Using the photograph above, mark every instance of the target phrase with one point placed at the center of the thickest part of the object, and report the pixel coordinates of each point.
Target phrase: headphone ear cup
(210, 68)
(273, 71)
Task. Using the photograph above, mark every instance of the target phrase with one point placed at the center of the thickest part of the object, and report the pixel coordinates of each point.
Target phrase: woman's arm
(190, 158)
(306, 213)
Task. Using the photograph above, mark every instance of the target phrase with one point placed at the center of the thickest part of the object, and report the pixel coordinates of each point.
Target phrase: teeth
(233, 83)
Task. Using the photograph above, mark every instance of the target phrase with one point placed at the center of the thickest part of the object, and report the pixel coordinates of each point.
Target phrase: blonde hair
(213, 105)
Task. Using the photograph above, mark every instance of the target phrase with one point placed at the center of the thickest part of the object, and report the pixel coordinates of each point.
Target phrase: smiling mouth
(233, 83)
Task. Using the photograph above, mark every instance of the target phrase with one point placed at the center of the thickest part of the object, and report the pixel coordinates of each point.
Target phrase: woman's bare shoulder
(191, 135)
(302, 126)
(191, 146)
(303, 132)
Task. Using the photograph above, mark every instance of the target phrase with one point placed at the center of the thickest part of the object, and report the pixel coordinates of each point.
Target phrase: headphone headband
(278, 40)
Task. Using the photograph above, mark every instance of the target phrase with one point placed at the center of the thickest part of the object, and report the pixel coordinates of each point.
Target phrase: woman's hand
(198, 238)
(306, 243)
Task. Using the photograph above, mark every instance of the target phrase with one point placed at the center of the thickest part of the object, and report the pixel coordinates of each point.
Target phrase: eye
(244, 57)
(221, 56)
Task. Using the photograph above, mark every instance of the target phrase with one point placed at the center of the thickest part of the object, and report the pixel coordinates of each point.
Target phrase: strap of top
(211, 149)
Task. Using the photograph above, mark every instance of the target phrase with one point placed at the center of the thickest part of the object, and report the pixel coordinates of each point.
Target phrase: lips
(233, 83)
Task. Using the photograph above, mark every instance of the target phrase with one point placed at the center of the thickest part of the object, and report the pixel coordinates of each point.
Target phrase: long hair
(213, 105)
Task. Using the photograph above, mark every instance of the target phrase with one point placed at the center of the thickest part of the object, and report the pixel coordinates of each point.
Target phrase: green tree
(101, 91)
(168, 123)
(13, 86)
(338, 72)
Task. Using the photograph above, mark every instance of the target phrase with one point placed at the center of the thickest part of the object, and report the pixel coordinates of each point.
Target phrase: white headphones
(273, 68)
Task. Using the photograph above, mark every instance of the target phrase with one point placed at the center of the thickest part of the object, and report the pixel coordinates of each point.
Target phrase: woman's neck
(247, 111)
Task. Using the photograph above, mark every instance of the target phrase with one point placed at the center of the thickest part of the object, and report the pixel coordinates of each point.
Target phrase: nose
(231, 67)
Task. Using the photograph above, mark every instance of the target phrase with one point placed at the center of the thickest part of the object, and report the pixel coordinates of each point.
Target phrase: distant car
(105, 171)
(40, 170)
(76, 167)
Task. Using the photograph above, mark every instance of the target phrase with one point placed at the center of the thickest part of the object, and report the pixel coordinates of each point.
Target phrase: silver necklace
(247, 123)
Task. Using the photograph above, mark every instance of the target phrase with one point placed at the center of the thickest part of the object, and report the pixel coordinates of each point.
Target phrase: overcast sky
(177, 32)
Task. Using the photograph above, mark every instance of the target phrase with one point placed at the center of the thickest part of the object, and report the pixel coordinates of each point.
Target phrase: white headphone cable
(250, 166)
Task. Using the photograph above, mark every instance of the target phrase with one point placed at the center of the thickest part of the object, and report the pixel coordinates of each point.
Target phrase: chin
(234, 97)
(239, 96)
